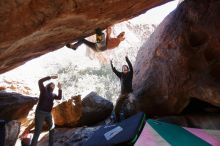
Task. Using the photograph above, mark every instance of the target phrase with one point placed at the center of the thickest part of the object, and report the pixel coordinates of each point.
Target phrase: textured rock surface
(12, 130)
(204, 121)
(30, 28)
(95, 109)
(181, 60)
(68, 112)
(69, 137)
(15, 106)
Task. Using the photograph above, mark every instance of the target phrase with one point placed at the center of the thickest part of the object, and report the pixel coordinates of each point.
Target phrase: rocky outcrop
(12, 130)
(95, 109)
(44, 26)
(15, 106)
(180, 60)
(68, 113)
(70, 137)
(197, 114)
(203, 121)
(14, 86)
(74, 112)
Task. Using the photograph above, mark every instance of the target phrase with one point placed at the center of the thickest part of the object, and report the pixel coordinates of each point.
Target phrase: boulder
(180, 60)
(68, 113)
(12, 130)
(197, 114)
(203, 121)
(95, 109)
(70, 137)
(15, 106)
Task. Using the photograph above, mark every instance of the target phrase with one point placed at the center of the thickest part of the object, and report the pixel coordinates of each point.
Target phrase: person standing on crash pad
(44, 107)
(125, 77)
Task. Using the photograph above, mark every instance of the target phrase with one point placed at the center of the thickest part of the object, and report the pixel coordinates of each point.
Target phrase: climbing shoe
(74, 46)
(68, 45)
(98, 31)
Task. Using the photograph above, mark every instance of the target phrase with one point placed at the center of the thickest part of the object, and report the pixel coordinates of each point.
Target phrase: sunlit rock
(68, 113)
(15, 106)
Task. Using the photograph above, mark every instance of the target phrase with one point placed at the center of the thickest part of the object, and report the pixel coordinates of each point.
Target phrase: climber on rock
(125, 77)
(102, 43)
(44, 107)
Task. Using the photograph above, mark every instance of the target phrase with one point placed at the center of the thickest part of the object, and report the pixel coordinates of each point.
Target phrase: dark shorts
(100, 47)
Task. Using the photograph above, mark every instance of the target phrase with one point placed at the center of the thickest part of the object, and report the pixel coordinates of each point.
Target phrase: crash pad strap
(176, 135)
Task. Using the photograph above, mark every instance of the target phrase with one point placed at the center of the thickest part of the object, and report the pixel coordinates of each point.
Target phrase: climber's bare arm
(108, 32)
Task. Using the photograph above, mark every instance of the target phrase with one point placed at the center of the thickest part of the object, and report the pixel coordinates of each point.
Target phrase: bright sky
(157, 14)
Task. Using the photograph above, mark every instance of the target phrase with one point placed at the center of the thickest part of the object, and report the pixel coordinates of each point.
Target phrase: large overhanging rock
(30, 28)
(181, 60)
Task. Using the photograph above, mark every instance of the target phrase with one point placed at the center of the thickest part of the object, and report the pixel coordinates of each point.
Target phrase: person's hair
(48, 85)
(124, 66)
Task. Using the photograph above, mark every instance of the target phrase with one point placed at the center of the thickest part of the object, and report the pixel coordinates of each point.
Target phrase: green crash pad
(176, 135)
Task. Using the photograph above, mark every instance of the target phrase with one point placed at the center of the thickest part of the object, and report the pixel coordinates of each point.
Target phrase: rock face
(15, 106)
(202, 121)
(30, 28)
(74, 112)
(12, 130)
(68, 113)
(180, 60)
(70, 137)
(95, 109)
